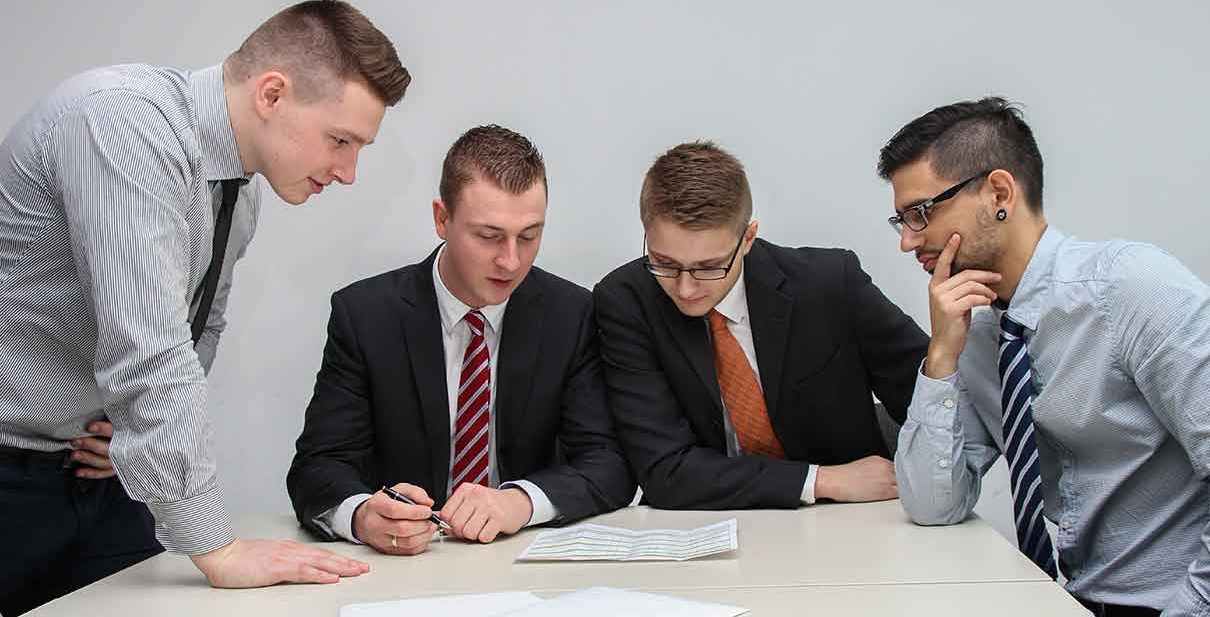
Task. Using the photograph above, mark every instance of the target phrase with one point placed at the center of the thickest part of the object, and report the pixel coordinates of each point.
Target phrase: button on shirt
(108, 193)
(456, 334)
(1119, 339)
(734, 306)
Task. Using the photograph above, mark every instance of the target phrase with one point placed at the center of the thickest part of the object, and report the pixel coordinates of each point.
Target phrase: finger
(90, 459)
(970, 288)
(490, 530)
(304, 573)
(101, 428)
(454, 503)
(970, 302)
(92, 444)
(413, 492)
(386, 507)
(981, 276)
(340, 566)
(89, 473)
(459, 518)
(475, 524)
(941, 271)
(407, 529)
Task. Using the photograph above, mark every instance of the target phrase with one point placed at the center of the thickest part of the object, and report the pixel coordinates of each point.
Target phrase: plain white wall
(803, 93)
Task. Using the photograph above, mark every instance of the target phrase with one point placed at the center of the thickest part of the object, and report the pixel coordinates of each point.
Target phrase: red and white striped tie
(474, 409)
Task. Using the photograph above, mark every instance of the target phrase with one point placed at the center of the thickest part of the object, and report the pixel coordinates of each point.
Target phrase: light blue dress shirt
(1119, 338)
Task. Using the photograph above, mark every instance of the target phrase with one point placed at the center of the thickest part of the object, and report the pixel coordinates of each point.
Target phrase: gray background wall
(803, 93)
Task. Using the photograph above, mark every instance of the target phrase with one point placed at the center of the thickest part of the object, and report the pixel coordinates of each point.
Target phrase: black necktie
(222, 230)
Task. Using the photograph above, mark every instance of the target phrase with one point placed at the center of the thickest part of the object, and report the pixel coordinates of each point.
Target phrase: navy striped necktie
(1020, 448)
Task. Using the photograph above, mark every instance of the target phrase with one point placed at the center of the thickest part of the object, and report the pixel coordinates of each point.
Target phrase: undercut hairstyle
(321, 45)
(698, 186)
(494, 154)
(969, 138)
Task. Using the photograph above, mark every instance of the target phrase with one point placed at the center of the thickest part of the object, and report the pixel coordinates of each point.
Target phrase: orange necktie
(741, 394)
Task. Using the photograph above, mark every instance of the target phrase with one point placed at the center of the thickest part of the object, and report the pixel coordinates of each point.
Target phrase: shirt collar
(734, 305)
(453, 310)
(1034, 287)
(220, 156)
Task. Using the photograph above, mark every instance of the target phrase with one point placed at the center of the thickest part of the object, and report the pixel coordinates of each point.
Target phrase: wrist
(209, 562)
(521, 505)
(823, 482)
(940, 363)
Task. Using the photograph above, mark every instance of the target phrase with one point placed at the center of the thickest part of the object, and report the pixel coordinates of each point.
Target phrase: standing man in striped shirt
(1086, 364)
(125, 199)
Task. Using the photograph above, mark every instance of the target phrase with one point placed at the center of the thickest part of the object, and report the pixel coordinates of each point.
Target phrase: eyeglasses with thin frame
(916, 217)
(701, 274)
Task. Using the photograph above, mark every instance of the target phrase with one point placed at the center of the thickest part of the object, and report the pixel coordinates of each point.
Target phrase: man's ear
(441, 217)
(268, 90)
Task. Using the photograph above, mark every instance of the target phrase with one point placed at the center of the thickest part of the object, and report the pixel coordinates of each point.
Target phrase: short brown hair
(503, 157)
(698, 186)
(319, 42)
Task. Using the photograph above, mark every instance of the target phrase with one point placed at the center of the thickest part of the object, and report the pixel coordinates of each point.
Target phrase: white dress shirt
(456, 334)
(734, 306)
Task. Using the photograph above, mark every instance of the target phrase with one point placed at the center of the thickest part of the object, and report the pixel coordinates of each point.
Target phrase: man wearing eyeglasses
(1089, 372)
(739, 372)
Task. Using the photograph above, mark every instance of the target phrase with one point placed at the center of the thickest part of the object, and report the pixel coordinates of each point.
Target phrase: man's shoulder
(375, 287)
(559, 289)
(624, 275)
(162, 86)
(810, 267)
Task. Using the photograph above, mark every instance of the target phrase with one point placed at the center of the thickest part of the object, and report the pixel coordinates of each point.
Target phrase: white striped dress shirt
(108, 192)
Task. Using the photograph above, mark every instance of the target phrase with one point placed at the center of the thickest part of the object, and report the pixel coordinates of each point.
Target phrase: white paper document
(475, 605)
(597, 542)
(607, 602)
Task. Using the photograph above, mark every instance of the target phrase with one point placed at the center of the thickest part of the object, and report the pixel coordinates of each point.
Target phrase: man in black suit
(470, 377)
(740, 372)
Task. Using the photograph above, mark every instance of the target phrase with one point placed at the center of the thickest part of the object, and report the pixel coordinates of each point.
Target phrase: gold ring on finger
(394, 541)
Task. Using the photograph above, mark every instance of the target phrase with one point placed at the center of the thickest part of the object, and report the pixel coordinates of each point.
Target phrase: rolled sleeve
(193, 526)
(939, 464)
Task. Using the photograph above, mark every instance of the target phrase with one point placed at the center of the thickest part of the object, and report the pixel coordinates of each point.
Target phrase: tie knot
(717, 321)
(1010, 328)
(474, 319)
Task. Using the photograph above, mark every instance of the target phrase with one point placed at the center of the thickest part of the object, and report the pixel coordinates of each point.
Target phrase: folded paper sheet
(597, 542)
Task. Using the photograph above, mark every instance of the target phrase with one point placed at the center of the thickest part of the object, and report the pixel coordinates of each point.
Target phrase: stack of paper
(598, 542)
(592, 602)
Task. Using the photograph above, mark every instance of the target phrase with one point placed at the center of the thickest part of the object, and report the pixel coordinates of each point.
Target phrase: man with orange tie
(740, 373)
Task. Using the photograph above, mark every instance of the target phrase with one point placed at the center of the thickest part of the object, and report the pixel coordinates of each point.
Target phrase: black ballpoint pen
(397, 496)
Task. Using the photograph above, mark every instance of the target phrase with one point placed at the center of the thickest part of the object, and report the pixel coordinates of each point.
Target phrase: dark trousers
(60, 533)
(1100, 609)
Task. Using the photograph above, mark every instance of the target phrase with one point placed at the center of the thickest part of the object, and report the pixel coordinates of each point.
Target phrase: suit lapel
(426, 349)
(769, 313)
(521, 339)
(691, 336)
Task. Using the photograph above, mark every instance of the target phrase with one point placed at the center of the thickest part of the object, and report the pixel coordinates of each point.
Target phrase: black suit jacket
(825, 337)
(380, 412)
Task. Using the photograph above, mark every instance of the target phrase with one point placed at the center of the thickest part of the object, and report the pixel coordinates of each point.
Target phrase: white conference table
(828, 559)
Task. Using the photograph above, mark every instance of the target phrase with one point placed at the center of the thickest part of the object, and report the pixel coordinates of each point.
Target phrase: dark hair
(503, 157)
(697, 185)
(322, 44)
(968, 138)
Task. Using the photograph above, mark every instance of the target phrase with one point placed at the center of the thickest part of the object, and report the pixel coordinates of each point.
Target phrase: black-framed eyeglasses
(701, 274)
(916, 217)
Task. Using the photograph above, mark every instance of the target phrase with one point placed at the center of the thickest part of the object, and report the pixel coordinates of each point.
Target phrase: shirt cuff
(193, 526)
(934, 401)
(339, 520)
(544, 510)
(808, 487)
